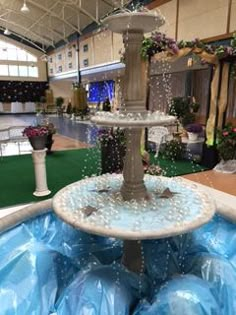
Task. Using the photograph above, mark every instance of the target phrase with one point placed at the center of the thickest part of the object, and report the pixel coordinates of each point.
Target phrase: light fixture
(24, 8)
(7, 32)
(190, 62)
(44, 57)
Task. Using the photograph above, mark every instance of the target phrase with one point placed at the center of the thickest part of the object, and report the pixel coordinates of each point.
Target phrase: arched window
(17, 62)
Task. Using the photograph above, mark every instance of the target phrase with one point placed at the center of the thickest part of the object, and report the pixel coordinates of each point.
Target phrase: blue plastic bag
(40, 257)
(184, 295)
(102, 290)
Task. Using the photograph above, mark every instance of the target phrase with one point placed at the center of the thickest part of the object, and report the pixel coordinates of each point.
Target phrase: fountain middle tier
(132, 120)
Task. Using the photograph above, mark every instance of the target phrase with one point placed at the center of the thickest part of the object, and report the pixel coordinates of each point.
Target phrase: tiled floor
(70, 134)
(60, 143)
(82, 131)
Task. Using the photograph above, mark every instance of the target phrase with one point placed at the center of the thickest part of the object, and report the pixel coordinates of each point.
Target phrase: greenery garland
(159, 42)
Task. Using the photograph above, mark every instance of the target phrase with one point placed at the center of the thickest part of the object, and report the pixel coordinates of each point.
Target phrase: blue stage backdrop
(99, 91)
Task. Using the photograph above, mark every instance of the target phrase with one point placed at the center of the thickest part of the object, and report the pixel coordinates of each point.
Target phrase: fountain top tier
(144, 22)
(133, 113)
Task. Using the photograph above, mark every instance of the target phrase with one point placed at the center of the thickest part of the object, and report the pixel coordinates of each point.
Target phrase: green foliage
(59, 101)
(117, 135)
(195, 107)
(233, 41)
(184, 109)
(173, 150)
(226, 142)
(43, 99)
(69, 109)
(189, 118)
(160, 42)
(147, 46)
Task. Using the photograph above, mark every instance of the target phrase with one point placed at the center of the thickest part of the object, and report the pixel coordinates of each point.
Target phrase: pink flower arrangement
(34, 131)
(227, 133)
(226, 142)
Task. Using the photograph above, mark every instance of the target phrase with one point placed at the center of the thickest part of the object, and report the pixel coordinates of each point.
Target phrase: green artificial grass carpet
(17, 182)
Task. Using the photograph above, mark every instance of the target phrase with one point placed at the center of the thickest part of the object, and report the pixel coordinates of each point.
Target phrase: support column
(134, 88)
(132, 256)
(133, 185)
(40, 173)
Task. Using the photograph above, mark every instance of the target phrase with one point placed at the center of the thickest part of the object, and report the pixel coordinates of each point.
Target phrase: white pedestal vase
(227, 167)
(192, 136)
(40, 173)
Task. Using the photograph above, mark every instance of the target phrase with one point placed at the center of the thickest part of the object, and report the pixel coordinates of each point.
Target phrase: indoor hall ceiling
(49, 21)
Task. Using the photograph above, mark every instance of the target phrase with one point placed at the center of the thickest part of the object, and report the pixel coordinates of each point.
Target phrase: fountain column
(134, 88)
(134, 95)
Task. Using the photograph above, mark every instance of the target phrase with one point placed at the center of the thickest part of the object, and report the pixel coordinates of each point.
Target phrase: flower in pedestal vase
(37, 136)
(51, 131)
(226, 143)
(193, 131)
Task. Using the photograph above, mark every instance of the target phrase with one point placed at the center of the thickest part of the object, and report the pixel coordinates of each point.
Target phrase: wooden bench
(12, 135)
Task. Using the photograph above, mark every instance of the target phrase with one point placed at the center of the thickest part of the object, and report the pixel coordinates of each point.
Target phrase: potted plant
(226, 142)
(193, 131)
(185, 109)
(112, 144)
(173, 150)
(51, 131)
(59, 103)
(43, 104)
(37, 136)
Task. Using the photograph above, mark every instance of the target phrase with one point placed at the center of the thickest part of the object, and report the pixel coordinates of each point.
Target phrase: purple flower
(195, 128)
(174, 48)
(229, 50)
(34, 131)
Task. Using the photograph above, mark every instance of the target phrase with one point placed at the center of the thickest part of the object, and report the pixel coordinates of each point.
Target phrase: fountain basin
(154, 218)
(53, 269)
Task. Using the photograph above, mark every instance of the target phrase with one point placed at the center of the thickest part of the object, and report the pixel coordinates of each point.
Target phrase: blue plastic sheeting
(208, 252)
(185, 295)
(39, 258)
(105, 290)
(48, 267)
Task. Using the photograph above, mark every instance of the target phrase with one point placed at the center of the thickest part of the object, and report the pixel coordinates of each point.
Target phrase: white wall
(62, 88)
(42, 68)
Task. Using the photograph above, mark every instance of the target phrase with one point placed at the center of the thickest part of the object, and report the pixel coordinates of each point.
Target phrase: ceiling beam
(46, 40)
(108, 3)
(97, 9)
(27, 16)
(4, 14)
(79, 9)
(26, 40)
(53, 14)
(40, 19)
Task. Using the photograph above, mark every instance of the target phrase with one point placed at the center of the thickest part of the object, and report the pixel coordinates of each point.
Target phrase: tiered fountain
(133, 207)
